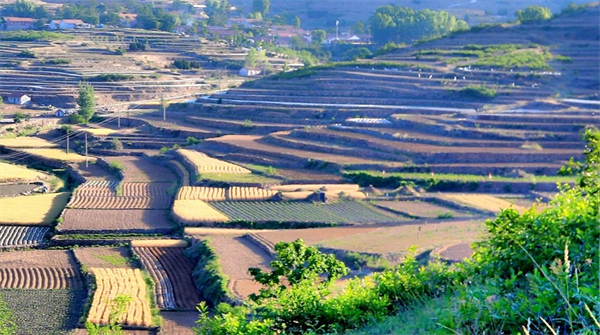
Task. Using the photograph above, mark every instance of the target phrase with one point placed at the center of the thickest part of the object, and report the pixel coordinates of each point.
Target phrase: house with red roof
(18, 23)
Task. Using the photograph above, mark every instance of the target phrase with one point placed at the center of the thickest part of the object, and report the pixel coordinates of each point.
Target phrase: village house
(18, 99)
(250, 71)
(18, 23)
(67, 24)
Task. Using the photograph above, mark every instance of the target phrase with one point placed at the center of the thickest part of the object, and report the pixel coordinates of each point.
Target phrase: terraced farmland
(338, 212)
(88, 221)
(142, 170)
(21, 236)
(114, 282)
(191, 212)
(103, 195)
(234, 193)
(172, 272)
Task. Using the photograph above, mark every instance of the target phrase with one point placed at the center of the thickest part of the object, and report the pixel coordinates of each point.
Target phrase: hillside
(319, 13)
(424, 108)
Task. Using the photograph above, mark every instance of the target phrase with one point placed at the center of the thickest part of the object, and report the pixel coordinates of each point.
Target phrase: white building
(18, 99)
(250, 71)
(67, 24)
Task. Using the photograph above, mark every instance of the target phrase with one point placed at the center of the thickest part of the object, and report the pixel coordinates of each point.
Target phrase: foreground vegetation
(534, 273)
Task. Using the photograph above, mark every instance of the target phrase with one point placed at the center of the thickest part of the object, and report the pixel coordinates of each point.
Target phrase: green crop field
(338, 212)
(46, 312)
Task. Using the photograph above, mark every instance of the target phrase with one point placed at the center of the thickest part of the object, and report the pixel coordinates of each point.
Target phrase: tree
(261, 6)
(86, 101)
(169, 22)
(533, 14)
(359, 27)
(296, 22)
(251, 58)
(318, 36)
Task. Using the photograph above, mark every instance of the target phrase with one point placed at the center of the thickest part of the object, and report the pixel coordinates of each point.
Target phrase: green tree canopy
(318, 36)
(533, 13)
(24, 8)
(86, 101)
(399, 24)
(261, 6)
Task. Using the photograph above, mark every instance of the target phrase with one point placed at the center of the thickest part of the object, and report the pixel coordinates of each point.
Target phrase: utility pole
(164, 108)
(119, 122)
(68, 141)
(337, 30)
(86, 150)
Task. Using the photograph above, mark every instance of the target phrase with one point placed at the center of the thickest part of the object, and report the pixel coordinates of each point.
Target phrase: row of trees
(399, 24)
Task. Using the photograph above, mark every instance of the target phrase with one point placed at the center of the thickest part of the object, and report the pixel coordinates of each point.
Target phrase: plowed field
(172, 272)
(20, 236)
(202, 163)
(47, 269)
(102, 221)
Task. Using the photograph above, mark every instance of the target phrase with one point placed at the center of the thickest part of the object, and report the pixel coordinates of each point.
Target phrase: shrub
(478, 92)
(116, 144)
(208, 276)
(26, 54)
(77, 119)
(138, 46)
(110, 77)
(564, 59)
(57, 61)
(116, 166)
(533, 14)
(186, 64)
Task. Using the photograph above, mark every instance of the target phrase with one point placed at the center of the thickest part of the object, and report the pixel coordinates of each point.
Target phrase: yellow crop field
(12, 172)
(315, 187)
(38, 210)
(99, 131)
(113, 282)
(58, 154)
(159, 243)
(203, 163)
(196, 211)
(482, 201)
(201, 193)
(26, 142)
(249, 193)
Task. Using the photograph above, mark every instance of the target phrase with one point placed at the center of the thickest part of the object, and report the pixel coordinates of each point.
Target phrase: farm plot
(337, 212)
(13, 173)
(21, 236)
(142, 170)
(26, 142)
(57, 154)
(180, 323)
(202, 163)
(44, 311)
(223, 194)
(263, 211)
(93, 172)
(103, 257)
(101, 221)
(422, 209)
(33, 210)
(172, 272)
(103, 195)
(39, 269)
(482, 201)
(236, 255)
(249, 193)
(113, 282)
(398, 239)
(196, 211)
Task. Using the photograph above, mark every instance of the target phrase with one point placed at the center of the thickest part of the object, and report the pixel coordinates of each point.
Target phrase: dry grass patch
(196, 211)
(37, 210)
(58, 154)
(26, 142)
(201, 193)
(99, 131)
(482, 201)
(203, 163)
(347, 188)
(12, 172)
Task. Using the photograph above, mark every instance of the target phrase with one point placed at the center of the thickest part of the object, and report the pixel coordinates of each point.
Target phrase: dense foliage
(184, 64)
(533, 14)
(478, 92)
(397, 24)
(24, 8)
(208, 276)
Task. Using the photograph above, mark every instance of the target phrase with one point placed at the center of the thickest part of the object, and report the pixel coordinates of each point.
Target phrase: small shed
(250, 71)
(64, 112)
(19, 99)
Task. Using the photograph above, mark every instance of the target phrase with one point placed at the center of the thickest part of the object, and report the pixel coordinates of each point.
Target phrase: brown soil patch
(47, 269)
(103, 257)
(179, 323)
(236, 255)
(142, 170)
(314, 235)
